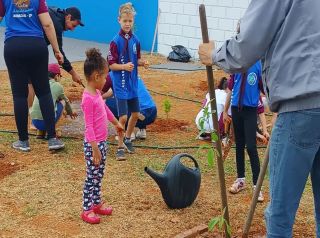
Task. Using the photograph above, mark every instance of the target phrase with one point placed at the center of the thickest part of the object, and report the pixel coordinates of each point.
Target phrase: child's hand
(73, 115)
(119, 129)
(226, 118)
(96, 155)
(266, 135)
(128, 66)
(146, 64)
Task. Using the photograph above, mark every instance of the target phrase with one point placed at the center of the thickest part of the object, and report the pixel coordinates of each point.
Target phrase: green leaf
(221, 222)
(210, 157)
(201, 123)
(228, 228)
(212, 223)
(214, 137)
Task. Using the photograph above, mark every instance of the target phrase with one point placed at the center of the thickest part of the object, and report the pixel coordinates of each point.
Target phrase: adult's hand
(75, 76)
(205, 53)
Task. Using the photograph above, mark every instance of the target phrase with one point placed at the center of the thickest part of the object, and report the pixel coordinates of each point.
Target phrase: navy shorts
(127, 105)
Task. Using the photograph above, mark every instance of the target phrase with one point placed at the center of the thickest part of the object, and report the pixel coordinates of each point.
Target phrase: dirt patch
(165, 125)
(7, 168)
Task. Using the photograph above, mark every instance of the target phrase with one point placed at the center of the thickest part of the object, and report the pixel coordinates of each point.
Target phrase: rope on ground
(155, 147)
(176, 97)
(4, 114)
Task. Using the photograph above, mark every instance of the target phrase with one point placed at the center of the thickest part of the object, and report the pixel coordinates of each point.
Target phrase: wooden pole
(256, 193)
(205, 38)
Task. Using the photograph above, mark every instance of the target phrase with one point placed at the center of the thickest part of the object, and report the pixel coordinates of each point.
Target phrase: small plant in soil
(219, 222)
(167, 106)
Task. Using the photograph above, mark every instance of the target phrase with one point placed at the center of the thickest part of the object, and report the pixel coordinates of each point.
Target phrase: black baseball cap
(75, 14)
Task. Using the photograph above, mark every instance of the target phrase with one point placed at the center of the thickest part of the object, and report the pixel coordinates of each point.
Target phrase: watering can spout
(159, 178)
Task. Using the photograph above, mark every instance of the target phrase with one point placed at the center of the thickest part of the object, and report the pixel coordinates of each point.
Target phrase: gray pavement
(73, 48)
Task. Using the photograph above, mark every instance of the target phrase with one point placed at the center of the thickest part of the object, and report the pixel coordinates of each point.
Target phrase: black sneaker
(120, 154)
(128, 145)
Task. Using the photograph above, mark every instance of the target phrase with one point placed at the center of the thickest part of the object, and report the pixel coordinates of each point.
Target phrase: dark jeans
(245, 124)
(27, 60)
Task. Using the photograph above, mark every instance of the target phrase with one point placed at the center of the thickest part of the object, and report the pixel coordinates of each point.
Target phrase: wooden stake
(205, 38)
(256, 193)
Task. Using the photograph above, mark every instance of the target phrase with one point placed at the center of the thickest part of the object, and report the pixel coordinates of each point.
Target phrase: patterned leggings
(92, 184)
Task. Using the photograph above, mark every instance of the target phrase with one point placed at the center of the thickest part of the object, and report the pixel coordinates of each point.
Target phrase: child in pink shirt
(97, 116)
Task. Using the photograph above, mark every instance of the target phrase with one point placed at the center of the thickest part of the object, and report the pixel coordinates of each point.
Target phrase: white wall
(179, 22)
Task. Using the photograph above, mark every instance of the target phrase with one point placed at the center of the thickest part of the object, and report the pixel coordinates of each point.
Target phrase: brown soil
(167, 125)
(7, 168)
(44, 198)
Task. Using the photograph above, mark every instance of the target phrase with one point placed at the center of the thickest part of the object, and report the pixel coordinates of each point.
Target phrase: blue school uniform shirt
(251, 93)
(145, 99)
(125, 84)
(22, 18)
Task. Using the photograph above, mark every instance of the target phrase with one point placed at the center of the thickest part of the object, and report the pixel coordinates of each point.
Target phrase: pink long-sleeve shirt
(96, 117)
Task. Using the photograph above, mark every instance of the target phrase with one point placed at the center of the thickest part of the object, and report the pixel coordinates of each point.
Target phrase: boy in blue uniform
(124, 58)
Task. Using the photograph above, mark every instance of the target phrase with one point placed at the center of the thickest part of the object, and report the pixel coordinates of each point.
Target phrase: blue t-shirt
(125, 84)
(145, 99)
(22, 18)
(250, 91)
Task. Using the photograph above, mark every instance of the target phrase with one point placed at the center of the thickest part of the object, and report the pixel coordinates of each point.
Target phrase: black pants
(245, 125)
(27, 60)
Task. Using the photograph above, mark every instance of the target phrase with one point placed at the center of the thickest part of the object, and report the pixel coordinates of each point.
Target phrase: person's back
(56, 92)
(23, 22)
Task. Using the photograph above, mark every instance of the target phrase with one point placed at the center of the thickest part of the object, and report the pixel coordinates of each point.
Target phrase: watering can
(179, 184)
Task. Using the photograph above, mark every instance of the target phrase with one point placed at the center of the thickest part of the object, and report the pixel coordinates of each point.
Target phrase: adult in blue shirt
(26, 57)
(148, 109)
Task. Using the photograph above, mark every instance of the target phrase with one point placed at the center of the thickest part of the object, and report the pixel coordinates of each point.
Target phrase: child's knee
(135, 115)
(123, 119)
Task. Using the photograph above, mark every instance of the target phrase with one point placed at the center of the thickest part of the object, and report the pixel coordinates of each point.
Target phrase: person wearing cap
(57, 92)
(26, 57)
(63, 20)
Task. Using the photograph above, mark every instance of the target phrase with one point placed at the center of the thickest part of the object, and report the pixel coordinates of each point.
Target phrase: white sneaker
(133, 136)
(260, 197)
(237, 186)
(141, 134)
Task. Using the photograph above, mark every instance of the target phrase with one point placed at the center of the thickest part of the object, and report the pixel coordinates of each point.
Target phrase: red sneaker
(93, 219)
(102, 211)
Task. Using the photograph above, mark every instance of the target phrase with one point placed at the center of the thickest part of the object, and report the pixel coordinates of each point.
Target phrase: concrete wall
(180, 22)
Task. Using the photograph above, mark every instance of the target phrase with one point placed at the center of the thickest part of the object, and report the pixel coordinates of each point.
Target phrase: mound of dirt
(7, 168)
(170, 124)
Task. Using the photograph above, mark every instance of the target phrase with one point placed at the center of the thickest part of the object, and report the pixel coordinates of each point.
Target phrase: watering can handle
(190, 157)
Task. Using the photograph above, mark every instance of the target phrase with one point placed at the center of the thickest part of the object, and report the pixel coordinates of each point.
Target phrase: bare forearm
(263, 122)
(228, 101)
(117, 67)
(48, 28)
(108, 94)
